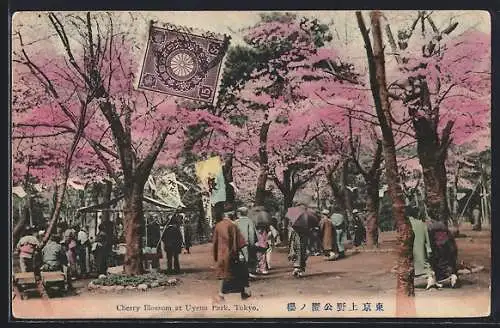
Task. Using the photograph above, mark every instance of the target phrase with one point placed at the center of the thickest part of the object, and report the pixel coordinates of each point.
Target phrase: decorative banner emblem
(211, 177)
(166, 189)
(183, 64)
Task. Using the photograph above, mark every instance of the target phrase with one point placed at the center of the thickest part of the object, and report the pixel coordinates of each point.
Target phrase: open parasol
(260, 216)
(302, 217)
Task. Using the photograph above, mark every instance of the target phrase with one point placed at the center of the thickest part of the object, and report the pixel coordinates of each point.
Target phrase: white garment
(82, 237)
(183, 234)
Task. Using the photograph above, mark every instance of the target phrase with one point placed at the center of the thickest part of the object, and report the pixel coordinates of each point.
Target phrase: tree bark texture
(133, 222)
(376, 63)
(372, 207)
(260, 193)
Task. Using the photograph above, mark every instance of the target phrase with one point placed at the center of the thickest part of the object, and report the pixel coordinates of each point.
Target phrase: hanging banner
(167, 190)
(183, 63)
(211, 177)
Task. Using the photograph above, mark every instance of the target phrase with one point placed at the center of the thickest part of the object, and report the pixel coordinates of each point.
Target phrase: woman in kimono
(262, 246)
(444, 259)
(421, 247)
(297, 254)
(273, 239)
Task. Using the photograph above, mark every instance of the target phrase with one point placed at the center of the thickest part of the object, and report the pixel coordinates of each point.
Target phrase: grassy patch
(123, 280)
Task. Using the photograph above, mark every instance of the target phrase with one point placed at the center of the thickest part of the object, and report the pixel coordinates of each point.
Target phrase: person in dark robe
(230, 265)
(444, 258)
(476, 218)
(200, 229)
(109, 228)
(154, 237)
(172, 241)
(186, 235)
(359, 229)
(101, 250)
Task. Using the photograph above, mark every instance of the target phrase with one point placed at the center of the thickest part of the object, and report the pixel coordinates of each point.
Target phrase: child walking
(262, 247)
(273, 240)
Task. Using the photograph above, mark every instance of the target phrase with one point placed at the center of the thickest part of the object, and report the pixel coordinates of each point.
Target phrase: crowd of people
(74, 251)
(242, 247)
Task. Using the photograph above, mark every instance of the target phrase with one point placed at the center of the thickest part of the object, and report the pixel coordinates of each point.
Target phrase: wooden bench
(25, 278)
(24, 281)
(53, 277)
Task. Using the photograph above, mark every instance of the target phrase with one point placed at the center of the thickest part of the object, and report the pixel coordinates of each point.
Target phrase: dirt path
(361, 277)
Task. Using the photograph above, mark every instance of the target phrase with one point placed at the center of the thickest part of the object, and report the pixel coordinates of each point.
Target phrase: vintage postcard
(251, 164)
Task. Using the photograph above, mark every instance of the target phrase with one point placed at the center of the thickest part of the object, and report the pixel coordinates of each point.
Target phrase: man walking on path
(172, 240)
(230, 266)
(340, 229)
(249, 232)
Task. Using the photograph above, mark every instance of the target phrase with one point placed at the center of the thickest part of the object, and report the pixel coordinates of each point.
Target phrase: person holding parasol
(302, 219)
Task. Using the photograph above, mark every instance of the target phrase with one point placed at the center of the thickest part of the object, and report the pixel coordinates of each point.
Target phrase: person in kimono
(26, 248)
(339, 223)
(172, 241)
(55, 258)
(262, 246)
(186, 235)
(70, 246)
(359, 229)
(421, 246)
(444, 258)
(476, 218)
(249, 232)
(328, 236)
(230, 268)
(273, 239)
(297, 250)
(53, 255)
(101, 248)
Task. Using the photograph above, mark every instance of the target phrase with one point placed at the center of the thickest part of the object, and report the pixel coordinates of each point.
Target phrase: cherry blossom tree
(128, 131)
(377, 73)
(442, 83)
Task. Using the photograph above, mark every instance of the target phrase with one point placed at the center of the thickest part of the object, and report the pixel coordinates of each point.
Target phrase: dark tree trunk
(228, 179)
(372, 207)
(133, 222)
(260, 193)
(341, 194)
(405, 305)
(347, 198)
(287, 203)
(106, 195)
(61, 191)
(432, 156)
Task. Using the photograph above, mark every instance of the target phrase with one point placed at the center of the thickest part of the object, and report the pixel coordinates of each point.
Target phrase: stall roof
(107, 205)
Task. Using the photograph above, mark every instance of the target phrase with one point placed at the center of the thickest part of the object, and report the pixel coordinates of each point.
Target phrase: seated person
(444, 259)
(421, 247)
(53, 255)
(26, 247)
